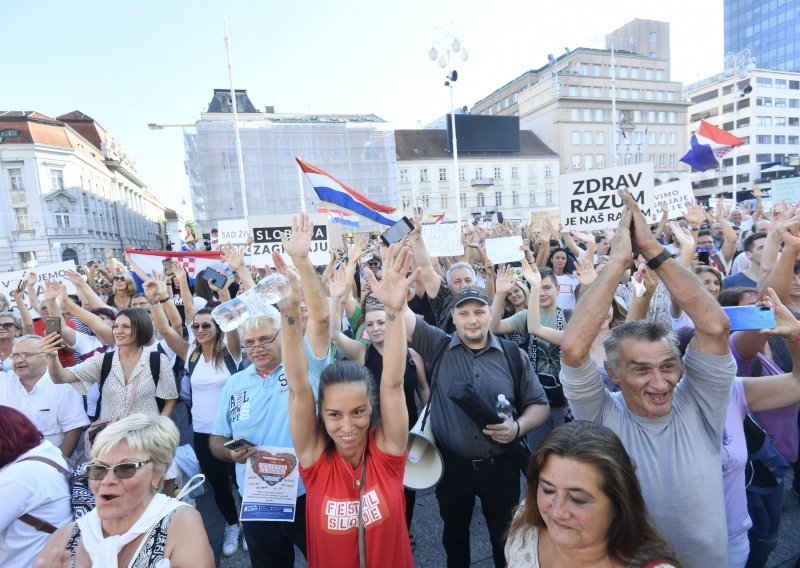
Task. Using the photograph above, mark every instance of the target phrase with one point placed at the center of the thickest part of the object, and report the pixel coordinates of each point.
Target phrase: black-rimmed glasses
(265, 343)
(125, 470)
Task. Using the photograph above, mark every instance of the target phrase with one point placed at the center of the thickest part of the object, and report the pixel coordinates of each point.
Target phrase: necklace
(349, 468)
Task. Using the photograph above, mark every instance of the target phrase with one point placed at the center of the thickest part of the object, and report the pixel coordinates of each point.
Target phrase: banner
(271, 479)
(677, 194)
(589, 199)
(539, 216)
(504, 249)
(443, 239)
(785, 190)
(10, 280)
(267, 231)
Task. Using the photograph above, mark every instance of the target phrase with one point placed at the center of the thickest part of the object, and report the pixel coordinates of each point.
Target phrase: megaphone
(424, 464)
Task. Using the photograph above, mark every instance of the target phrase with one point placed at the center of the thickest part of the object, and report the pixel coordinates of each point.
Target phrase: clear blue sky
(132, 63)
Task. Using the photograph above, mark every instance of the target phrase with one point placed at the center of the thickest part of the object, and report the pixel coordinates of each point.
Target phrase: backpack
(766, 465)
(186, 381)
(36, 522)
(105, 370)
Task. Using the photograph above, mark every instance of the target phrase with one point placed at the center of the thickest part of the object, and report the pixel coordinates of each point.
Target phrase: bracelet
(657, 260)
(518, 429)
(164, 300)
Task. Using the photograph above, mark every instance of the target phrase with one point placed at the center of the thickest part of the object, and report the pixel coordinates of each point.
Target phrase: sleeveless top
(149, 554)
(374, 362)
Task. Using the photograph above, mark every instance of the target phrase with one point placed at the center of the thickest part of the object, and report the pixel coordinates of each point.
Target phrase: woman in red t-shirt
(352, 471)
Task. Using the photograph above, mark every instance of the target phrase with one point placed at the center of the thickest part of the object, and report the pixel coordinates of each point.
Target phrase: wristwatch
(154, 302)
(657, 260)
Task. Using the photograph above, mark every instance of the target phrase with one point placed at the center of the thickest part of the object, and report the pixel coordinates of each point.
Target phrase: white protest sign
(712, 202)
(267, 231)
(539, 216)
(504, 249)
(10, 280)
(589, 199)
(234, 232)
(677, 194)
(785, 190)
(443, 239)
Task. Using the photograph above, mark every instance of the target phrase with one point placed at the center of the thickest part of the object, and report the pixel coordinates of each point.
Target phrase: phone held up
(750, 318)
(217, 278)
(167, 264)
(397, 231)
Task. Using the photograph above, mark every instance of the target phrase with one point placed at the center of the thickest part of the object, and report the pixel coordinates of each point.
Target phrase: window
(764, 82)
(780, 103)
(794, 121)
(623, 94)
(634, 94)
(794, 140)
(574, 114)
(764, 101)
(462, 174)
(576, 161)
(600, 160)
(639, 158)
(443, 200)
(27, 259)
(638, 137)
(514, 172)
(498, 198)
(795, 85)
(587, 138)
(662, 138)
(548, 171)
(764, 120)
(62, 217)
(498, 173)
(16, 179)
(662, 160)
(649, 95)
(672, 117)
(584, 69)
(780, 83)
(23, 221)
(599, 115)
(673, 138)
(648, 74)
(403, 175)
(659, 72)
(478, 173)
(794, 103)
(634, 72)
(651, 139)
(651, 158)
(442, 174)
(623, 72)
(596, 70)
(637, 116)
(423, 174)
(780, 139)
(463, 200)
(628, 159)
(659, 95)
(597, 92)
(653, 37)
(548, 195)
(514, 198)
(481, 199)
(662, 117)
(572, 90)
(585, 92)
(587, 115)
(670, 96)
(406, 201)
(763, 139)
(600, 137)
(56, 179)
(588, 161)
(426, 200)
(651, 116)
(672, 160)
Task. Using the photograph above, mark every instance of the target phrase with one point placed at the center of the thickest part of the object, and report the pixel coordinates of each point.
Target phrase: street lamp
(446, 44)
(739, 64)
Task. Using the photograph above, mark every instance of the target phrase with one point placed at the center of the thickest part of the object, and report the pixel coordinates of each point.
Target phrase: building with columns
(71, 191)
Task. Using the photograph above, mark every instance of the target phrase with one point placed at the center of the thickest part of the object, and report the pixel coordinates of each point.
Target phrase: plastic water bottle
(503, 407)
(271, 290)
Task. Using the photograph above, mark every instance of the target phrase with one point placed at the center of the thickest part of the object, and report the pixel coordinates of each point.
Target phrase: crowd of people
(644, 430)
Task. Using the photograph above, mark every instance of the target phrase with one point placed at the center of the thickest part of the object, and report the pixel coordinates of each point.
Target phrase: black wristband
(657, 260)
(518, 429)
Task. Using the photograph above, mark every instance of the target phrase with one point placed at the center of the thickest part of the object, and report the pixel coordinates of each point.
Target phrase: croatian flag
(194, 262)
(437, 217)
(709, 145)
(331, 190)
(341, 217)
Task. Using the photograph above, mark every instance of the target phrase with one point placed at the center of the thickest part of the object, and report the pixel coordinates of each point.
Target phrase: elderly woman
(133, 524)
(33, 489)
(583, 506)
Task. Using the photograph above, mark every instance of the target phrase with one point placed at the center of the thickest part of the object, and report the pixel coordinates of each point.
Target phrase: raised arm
(155, 289)
(592, 307)
(232, 339)
(503, 286)
(728, 248)
(52, 291)
(640, 305)
(531, 274)
(422, 259)
(308, 440)
(297, 247)
(179, 275)
(49, 345)
(350, 348)
(24, 315)
(236, 261)
(711, 323)
(392, 290)
(88, 296)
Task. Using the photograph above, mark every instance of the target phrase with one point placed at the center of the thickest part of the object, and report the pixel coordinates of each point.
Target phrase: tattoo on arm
(390, 316)
(290, 320)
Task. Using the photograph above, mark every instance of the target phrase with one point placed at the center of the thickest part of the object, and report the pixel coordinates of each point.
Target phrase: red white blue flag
(709, 145)
(331, 190)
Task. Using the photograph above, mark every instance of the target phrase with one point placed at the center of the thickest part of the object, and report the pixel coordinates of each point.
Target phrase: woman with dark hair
(130, 385)
(211, 358)
(583, 506)
(33, 489)
(563, 266)
(352, 470)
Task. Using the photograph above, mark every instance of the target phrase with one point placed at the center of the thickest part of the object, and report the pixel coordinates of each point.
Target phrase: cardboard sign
(589, 199)
(10, 280)
(677, 194)
(785, 190)
(539, 216)
(443, 239)
(267, 231)
(504, 249)
(235, 232)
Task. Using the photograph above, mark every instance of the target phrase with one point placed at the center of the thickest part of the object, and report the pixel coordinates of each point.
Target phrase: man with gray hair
(255, 402)
(673, 431)
(56, 410)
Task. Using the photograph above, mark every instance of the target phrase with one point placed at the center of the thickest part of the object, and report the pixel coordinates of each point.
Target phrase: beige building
(597, 108)
(511, 182)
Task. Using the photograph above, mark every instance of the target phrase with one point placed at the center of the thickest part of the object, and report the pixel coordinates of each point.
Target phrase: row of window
(599, 115)
(592, 161)
(477, 172)
(768, 82)
(17, 180)
(777, 139)
(778, 121)
(632, 94)
(424, 199)
(777, 102)
(598, 138)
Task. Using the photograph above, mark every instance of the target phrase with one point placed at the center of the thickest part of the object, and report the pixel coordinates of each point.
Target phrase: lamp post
(739, 65)
(446, 44)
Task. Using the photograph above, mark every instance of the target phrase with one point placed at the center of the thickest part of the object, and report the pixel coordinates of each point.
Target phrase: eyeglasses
(206, 325)
(119, 278)
(8, 325)
(25, 355)
(263, 345)
(126, 470)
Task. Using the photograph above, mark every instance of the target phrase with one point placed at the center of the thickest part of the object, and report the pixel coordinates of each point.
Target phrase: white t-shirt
(38, 489)
(207, 383)
(53, 409)
(567, 284)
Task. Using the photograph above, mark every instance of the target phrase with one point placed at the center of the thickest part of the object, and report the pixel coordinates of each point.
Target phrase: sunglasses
(7, 325)
(98, 472)
(206, 325)
(119, 278)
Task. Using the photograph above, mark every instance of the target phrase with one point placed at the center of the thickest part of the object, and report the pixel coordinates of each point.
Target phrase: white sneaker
(230, 540)
(244, 544)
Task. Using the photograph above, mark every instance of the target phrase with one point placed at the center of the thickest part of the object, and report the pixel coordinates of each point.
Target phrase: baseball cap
(468, 293)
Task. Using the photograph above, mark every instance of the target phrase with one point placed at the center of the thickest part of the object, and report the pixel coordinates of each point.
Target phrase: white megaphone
(424, 465)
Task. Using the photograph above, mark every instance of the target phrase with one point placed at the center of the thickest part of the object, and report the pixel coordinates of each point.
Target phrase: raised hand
(179, 273)
(50, 343)
(583, 237)
(531, 274)
(292, 299)
(585, 272)
(338, 284)
(233, 257)
(682, 236)
(52, 290)
(392, 289)
(695, 214)
(298, 244)
(505, 280)
(621, 245)
(786, 325)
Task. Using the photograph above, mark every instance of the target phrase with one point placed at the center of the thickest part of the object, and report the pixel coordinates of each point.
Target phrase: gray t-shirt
(488, 372)
(678, 456)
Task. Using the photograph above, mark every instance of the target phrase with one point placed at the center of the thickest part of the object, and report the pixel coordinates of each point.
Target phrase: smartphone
(703, 256)
(397, 231)
(239, 443)
(499, 217)
(167, 264)
(750, 318)
(217, 278)
(52, 324)
(365, 258)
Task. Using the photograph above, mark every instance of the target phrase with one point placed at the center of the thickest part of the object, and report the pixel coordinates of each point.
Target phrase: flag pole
(239, 158)
(302, 188)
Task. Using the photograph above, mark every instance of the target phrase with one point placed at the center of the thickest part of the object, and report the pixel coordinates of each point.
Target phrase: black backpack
(105, 370)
